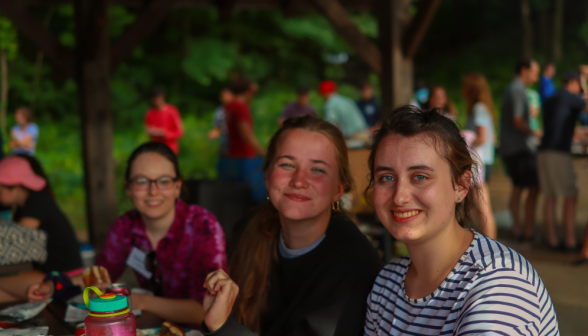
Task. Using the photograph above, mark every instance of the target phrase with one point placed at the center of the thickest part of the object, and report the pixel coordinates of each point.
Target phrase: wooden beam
(94, 97)
(414, 34)
(397, 71)
(143, 26)
(337, 15)
(225, 8)
(42, 38)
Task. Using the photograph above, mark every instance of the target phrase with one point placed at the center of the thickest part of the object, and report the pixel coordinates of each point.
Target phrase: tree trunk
(39, 63)
(3, 91)
(527, 45)
(558, 16)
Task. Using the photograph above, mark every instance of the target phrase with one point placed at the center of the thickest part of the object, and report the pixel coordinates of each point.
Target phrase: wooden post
(337, 15)
(93, 78)
(145, 24)
(396, 80)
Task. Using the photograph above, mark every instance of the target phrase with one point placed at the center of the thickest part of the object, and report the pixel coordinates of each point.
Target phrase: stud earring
(459, 199)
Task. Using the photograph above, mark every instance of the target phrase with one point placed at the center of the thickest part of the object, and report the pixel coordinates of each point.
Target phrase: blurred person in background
(163, 121)
(555, 162)
(369, 105)
(245, 154)
(438, 99)
(343, 112)
(480, 111)
(421, 93)
(24, 187)
(515, 147)
(546, 85)
(25, 134)
(534, 112)
(299, 108)
(219, 121)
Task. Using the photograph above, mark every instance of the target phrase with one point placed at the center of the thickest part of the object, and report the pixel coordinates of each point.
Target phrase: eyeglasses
(143, 183)
(155, 283)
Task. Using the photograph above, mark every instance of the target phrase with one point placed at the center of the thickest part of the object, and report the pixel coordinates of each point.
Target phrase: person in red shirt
(244, 155)
(163, 121)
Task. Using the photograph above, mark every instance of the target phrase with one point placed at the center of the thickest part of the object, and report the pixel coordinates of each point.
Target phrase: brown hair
(449, 107)
(410, 121)
(27, 113)
(476, 89)
(256, 251)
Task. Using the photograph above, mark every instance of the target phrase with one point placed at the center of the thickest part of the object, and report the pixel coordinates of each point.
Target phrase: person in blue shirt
(546, 86)
(369, 105)
(24, 135)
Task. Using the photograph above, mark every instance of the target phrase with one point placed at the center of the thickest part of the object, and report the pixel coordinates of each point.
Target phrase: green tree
(8, 50)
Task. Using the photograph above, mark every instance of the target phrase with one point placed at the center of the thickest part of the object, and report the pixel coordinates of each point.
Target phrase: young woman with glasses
(174, 245)
(301, 267)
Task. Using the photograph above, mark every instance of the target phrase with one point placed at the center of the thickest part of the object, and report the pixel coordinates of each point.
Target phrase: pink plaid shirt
(193, 247)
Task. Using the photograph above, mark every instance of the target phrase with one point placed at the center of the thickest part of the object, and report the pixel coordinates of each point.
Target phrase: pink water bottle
(109, 315)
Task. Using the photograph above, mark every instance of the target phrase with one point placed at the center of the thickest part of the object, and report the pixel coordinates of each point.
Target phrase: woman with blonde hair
(301, 266)
(480, 111)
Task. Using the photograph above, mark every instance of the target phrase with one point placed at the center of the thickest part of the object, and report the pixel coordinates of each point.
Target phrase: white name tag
(136, 261)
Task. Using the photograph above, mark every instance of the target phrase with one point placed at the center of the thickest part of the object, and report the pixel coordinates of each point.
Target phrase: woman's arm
(30, 222)
(175, 310)
(247, 135)
(482, 133)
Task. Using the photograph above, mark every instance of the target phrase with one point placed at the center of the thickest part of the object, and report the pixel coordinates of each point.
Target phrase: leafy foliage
(195, 53)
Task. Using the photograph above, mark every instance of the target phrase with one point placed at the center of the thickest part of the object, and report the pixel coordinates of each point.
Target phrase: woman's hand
(40, 292)
(219, 299)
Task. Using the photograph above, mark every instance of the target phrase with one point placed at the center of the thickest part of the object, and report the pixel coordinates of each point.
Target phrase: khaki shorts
(556, 174)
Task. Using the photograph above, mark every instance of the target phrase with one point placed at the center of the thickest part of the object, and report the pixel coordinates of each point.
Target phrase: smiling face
(153, 203)
(303, 179)
(438, 98)
(20, 117)
(414, 193)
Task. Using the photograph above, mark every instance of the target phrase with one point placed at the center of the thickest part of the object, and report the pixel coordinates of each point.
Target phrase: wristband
(64, 288)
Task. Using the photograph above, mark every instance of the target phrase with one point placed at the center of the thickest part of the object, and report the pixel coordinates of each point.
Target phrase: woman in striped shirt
(454, 281)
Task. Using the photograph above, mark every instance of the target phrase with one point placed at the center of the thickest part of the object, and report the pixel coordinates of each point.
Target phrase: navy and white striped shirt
(492, 290)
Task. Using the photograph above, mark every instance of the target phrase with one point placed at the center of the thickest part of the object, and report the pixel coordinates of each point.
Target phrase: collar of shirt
(290, 253)
(175, 229)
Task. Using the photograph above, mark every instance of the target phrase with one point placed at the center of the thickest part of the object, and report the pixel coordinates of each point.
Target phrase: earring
(267, 197)
(335, 206)
(459, 199)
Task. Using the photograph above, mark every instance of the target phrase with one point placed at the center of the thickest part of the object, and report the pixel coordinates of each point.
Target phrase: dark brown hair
(476, 89)
(27, 113)
(153, 147)
(256, 252)
(410, 121)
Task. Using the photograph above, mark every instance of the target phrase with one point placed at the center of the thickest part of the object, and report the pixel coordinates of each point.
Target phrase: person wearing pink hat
(35, 208)
(343, 112)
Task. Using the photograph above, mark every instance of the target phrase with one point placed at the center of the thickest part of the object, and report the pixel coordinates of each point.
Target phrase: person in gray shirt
(517, 146)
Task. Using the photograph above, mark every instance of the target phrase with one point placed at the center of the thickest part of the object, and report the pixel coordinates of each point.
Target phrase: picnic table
(53, 317)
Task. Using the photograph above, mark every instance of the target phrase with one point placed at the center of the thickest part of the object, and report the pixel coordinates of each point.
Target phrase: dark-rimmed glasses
(142, 183)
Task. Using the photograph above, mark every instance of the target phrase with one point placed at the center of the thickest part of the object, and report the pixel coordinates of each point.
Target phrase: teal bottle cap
(108, 302)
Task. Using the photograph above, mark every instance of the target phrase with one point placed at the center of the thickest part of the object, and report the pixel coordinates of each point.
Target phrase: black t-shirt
(323, 292)
(560, 113)
(63, 250)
